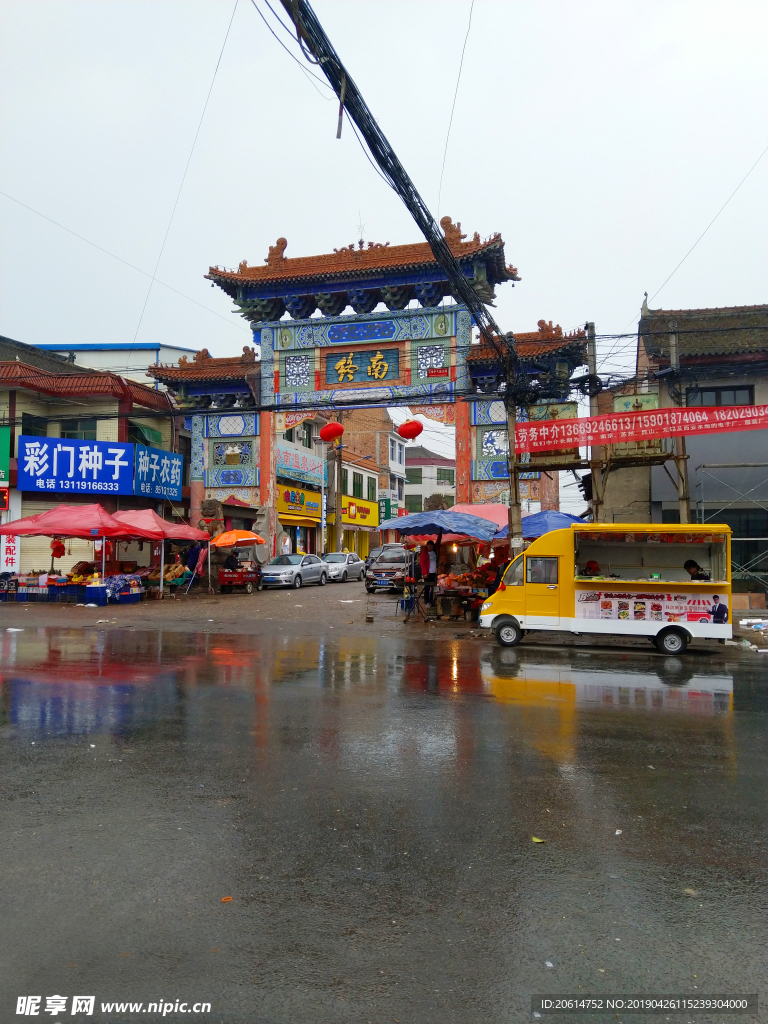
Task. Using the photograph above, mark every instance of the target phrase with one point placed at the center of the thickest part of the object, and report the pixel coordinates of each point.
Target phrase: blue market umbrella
(543, 522)
(440, 522)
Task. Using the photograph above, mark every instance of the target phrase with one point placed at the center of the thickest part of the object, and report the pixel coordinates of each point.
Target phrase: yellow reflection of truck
(668, 582)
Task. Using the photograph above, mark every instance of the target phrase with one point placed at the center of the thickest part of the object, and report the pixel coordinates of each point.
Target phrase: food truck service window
(541, 570)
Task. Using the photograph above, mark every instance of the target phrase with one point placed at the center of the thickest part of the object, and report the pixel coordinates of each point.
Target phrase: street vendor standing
(428, 566)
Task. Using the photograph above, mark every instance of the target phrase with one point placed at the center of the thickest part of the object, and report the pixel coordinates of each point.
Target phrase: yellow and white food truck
(668, 582)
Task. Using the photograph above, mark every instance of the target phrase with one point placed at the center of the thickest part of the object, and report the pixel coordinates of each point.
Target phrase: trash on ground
(14, 629)
(618, 832)
(226, 899)
(535, 839)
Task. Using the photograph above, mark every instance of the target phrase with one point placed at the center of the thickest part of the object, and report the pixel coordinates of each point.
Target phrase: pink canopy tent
(147, 519)
(91, 522)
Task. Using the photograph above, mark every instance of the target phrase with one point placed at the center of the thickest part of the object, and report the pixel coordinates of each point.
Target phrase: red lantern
(331, 431)
(410, 429)
(57, 548)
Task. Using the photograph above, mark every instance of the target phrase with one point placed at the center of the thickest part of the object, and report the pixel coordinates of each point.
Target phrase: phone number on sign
(642, 1004)
(86, 485)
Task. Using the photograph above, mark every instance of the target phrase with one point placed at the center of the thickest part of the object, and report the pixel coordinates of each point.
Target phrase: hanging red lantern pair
(331, 431)
(410, 429)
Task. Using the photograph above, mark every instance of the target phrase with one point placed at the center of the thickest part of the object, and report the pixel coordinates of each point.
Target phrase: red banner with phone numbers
(646, 425)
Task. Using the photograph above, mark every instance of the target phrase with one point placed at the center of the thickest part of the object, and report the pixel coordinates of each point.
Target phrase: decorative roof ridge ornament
(204, 357)
(276, 256)
(452, 232)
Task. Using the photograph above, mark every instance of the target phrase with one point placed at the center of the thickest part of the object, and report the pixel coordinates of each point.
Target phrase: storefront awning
(285, 517)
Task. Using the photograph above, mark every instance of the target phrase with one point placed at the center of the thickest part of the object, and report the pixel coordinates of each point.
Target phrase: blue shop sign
(83, 467)
(158, 473)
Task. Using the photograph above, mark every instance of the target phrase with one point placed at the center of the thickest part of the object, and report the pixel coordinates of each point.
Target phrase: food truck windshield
(650, 557)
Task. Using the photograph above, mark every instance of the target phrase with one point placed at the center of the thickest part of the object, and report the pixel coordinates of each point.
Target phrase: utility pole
(338, 451)
(681, 456)
(595, 464)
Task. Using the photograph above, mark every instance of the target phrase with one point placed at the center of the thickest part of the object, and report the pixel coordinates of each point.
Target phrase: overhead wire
(186, 169)
(146, 273)
(453, 106)
(293, 56)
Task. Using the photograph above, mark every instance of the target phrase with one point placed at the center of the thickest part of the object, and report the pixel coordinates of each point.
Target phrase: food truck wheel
(508, 633)
(672, 641)
(249, 588)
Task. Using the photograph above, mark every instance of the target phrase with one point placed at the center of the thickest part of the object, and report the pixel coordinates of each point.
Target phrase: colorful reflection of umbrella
(237, 539)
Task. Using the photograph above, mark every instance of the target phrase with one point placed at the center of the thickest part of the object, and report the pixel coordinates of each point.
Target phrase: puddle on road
(88, 681)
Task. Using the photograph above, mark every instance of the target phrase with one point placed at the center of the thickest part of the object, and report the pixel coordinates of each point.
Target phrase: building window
(392, 450)
(413, 475)
(357, 485)
(373, 488)
(35, 426)
(79, 430)
(401, 454)
(344, 482)
(722, 396)
(400, 490)
(288, 434)
(307, 435)
(413, 502)
(445, 476)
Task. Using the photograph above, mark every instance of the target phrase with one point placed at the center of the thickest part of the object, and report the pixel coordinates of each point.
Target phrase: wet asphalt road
(369, 806)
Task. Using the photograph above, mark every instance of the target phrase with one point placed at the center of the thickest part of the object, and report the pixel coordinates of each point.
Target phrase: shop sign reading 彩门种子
(61, 464)
(298, 502)
(359, 512)
(158, 473)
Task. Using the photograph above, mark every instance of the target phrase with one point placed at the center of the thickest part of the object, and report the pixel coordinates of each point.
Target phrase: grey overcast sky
(600, 138)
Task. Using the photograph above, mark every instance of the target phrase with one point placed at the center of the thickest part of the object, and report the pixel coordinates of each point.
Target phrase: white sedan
(342, 567)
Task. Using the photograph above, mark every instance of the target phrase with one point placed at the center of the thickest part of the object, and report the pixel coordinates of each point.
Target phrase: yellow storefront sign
(295, 501)
(357, 512)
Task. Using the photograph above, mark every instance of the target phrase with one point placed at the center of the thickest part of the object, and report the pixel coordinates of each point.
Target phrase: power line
(186, 169)
(453, 106)
(293, 56)
(706, 229)
(232, 323)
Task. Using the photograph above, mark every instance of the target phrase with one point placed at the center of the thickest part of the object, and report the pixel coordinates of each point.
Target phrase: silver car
(294, 570)
(342, 567)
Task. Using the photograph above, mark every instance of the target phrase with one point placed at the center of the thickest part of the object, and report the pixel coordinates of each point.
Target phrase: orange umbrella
(237, 539)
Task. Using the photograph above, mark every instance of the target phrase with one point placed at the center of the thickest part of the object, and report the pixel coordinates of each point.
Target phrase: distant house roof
(204, 367)
(728, 330)
(33, 355)
(420, 456)
(351, 262)
(545, 341)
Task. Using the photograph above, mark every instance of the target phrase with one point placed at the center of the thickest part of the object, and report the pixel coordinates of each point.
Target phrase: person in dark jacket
(718, 611)
(695, 571)
(232, 561)
(193, 553)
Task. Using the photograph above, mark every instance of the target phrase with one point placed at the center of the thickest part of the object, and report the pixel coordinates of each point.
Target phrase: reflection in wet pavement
(369, 805)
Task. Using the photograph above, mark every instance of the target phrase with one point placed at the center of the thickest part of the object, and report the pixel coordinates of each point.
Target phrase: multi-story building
(428, 474)
(371, 433)
(723, 361)
(126, 358)
(46, 397)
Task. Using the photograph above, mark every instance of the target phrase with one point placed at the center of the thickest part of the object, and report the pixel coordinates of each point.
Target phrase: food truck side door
(542, 592)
